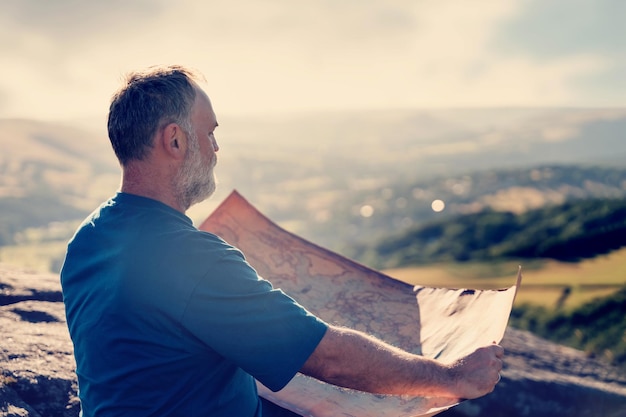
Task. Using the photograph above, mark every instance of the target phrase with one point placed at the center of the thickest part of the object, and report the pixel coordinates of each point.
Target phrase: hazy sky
(62, 59)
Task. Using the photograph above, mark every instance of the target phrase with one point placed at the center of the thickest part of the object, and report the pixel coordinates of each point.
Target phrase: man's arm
(352, 359)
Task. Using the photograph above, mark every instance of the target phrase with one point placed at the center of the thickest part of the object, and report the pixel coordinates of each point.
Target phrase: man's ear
(173, 141)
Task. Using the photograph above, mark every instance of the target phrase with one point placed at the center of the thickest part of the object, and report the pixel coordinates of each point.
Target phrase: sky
(63, 59)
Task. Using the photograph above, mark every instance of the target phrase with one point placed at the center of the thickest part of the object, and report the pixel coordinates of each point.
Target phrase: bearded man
(168, 320)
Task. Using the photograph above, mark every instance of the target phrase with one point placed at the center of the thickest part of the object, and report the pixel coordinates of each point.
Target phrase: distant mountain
(49, 159)
(50, 173)
(433, 142)
(338, 178)
(313, 172)
(403, 205)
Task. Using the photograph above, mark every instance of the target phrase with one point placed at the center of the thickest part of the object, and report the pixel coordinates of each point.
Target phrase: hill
(336, 179)
(575, 230)
(49, 173)
(314, 173)
(400, 206)
(51, 158)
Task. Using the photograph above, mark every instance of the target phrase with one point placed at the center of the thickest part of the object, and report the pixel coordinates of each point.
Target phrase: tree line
(570, 232)
(597, 327)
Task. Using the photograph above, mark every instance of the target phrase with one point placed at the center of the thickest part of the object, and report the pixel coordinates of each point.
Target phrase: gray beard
(195, 181)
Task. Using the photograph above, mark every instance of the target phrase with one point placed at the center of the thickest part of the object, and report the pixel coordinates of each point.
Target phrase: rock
(38, 366)
(540, 379)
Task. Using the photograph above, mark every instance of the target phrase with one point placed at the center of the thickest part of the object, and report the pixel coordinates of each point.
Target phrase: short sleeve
(243, 318)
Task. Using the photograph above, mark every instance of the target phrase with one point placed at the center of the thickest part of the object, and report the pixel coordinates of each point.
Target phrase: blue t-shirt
(168, 320)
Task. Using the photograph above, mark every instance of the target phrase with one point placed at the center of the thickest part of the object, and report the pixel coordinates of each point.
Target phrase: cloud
(557, 28)
(46, 71)
(264, 54)
(64, 58)
(63, 20)
(562, 31)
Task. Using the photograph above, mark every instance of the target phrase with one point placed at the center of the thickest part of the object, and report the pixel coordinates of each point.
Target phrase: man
(168, 320)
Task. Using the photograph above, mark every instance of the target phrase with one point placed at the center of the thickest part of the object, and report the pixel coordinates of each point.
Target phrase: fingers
(479, 372)
(498, 350)
(493, 364)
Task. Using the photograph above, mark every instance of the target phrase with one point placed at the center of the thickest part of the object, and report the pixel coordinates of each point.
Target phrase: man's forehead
(201, 96)
(203, 108)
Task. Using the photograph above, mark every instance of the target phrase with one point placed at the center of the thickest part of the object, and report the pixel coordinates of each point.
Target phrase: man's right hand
(477, 373)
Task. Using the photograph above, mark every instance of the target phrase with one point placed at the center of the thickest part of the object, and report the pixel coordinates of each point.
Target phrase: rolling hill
(338, 178)
(572, 231)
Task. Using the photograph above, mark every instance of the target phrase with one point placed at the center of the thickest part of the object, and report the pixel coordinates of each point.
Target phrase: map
(438, 323)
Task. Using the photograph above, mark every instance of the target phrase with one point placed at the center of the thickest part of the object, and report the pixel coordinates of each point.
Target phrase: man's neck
(139, 179)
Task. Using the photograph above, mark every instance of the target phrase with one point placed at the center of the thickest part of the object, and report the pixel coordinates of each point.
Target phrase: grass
(543, 284)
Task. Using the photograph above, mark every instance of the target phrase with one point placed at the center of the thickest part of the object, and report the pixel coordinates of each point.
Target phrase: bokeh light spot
(438, 205)
(367, 210)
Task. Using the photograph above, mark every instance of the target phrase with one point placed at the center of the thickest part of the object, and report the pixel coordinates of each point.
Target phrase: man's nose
(216, 147)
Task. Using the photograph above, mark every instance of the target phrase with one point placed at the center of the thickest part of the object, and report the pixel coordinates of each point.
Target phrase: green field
(543, 283)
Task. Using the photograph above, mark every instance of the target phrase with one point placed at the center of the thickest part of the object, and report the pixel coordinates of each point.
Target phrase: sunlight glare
(366, 210)
(438, 205)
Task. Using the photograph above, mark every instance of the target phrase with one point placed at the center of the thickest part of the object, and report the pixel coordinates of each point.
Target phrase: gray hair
(148, 101)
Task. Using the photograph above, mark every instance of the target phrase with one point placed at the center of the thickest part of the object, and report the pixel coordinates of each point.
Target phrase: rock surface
(37, 367)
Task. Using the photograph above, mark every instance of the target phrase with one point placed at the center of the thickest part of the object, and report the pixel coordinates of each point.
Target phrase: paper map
(437, 323)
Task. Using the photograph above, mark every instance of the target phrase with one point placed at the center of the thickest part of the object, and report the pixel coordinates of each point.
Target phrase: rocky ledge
(540, 379)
